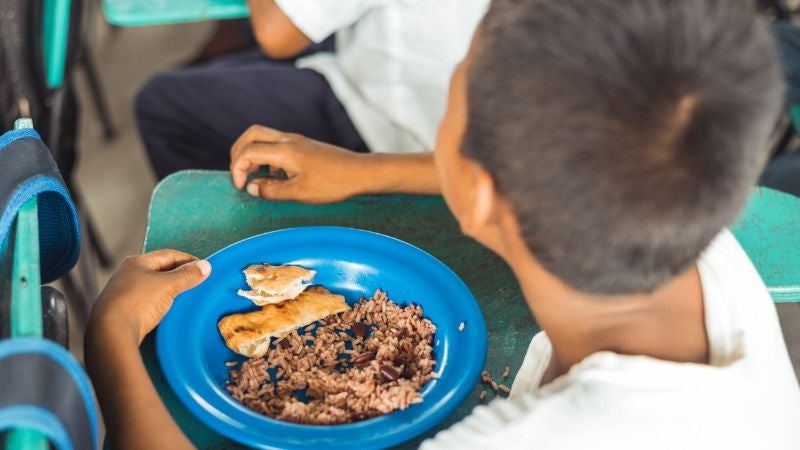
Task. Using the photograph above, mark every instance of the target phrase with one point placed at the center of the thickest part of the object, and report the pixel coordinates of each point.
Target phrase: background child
(600, 148)
(361, 74)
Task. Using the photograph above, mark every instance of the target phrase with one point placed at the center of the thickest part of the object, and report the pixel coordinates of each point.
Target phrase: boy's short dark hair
(625, 133)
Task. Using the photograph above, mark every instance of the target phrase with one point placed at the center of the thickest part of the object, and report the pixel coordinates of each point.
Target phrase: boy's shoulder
(746, 397)
(631, 402)
(724, 260)
(740, 317)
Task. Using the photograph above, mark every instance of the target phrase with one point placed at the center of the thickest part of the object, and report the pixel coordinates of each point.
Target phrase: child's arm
(134, 302)
(322, 173)
(276, 34)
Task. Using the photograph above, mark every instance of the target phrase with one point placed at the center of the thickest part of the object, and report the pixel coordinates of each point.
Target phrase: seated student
(600, 148)
(383, 88)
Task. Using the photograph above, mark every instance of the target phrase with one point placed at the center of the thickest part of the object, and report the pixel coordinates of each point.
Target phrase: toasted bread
(249, 334)
(274, 284)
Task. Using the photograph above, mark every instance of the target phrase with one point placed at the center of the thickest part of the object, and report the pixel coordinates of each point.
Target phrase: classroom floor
(115, 178)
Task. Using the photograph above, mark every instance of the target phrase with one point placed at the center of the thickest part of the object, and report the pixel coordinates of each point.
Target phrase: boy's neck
(668, 324)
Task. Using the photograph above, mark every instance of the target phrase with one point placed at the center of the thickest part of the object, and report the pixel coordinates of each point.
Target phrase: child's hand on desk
(141, 292)
(316, 172)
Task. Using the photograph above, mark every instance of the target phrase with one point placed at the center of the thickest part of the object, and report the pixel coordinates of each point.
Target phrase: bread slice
(249, 334)
(274, 284)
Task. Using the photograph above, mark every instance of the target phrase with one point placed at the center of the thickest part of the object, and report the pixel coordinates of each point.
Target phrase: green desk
(200, 212)
(132, 13)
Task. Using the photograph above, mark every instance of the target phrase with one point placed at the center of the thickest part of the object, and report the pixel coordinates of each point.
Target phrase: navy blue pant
(787, 44)
(783, 172)
(190, 117)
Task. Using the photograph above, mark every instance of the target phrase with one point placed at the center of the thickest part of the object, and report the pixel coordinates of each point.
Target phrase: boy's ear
(484, 203)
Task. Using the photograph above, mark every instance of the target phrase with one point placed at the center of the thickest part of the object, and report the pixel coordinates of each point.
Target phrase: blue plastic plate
(352, 263)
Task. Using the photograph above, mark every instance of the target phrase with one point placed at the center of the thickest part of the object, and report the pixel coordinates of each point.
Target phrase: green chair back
(134, 13)
(55, 39)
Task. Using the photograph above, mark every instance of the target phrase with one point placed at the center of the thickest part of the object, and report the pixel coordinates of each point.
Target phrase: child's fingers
(188, 275)
(240, 170)
(272, 189)
(162, 260)
(250, 158)
(256, 133)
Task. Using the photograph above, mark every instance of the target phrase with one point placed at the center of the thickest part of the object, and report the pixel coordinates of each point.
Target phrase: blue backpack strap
(44, 388)
(28, 171)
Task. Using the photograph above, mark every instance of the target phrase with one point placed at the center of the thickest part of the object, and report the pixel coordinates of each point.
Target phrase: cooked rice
(359, 364)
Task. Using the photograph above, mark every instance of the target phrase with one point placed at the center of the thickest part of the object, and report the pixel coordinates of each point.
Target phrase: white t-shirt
(393, 61)
(747, 398)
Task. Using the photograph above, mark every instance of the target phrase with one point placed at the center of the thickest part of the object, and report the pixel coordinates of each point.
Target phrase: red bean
(389, 374)
(356, 416)
(364, 357)
(359, 330)
(284, 343)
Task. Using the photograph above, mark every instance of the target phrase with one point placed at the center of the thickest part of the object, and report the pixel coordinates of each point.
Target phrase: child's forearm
(276, 34)
(400, 173)
(317, 172)
(135, 417)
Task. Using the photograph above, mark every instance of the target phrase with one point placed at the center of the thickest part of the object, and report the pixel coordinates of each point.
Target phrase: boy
(600, 148)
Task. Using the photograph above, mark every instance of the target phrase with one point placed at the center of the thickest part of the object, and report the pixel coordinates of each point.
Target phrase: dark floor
(114, 177)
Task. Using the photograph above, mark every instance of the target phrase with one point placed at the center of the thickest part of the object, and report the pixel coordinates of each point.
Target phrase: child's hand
(141, 292)
(317, 172)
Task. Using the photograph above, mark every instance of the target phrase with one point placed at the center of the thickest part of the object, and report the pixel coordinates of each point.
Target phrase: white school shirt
(393, 61)
(747, 398)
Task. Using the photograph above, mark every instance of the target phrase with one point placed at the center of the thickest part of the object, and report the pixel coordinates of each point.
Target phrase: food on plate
(249, 334)
(486, 378)
(356, 364)
(274, 284)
